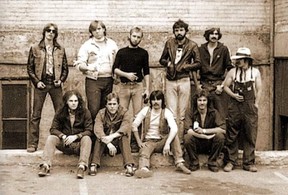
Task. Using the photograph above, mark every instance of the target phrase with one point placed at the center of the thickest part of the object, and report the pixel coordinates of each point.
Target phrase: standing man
(159, 135)
(132, 65)
(47, 69)
(244, 86)
(95, 60)
(205, 132)
(215, 61)
(70, 133)
(113, 129)
(180, 56)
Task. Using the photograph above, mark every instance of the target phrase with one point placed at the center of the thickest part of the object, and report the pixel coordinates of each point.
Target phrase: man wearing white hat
(243, 85)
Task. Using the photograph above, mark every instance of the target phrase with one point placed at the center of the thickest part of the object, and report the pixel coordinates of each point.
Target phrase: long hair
(202, 93)
(46, 27)
(93, 26)
(65, 108)
(159, 95)
(211, 31)
(180, 24)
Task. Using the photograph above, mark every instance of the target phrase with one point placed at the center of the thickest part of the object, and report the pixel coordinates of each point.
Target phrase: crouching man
(159, 135)
(113, 129)
(70, 133)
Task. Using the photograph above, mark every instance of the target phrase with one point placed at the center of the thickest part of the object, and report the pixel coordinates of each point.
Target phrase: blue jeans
(156, 146)
(131, 91)
(39, 99)
(96, 92)
(82, 148)
(177, 98)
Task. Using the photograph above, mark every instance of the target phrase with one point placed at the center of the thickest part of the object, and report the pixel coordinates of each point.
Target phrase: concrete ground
(23, 179)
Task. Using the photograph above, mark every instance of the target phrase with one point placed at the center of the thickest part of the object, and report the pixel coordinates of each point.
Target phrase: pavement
(13, 157)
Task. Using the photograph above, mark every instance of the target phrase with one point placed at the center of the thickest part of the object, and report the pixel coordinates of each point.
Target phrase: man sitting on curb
(70, 133)
(113, 129)
(159, 134)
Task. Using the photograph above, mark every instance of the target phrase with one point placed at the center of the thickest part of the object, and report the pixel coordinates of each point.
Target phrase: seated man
(159, 135)
(70, 133)
(113, 129)
(204, 132)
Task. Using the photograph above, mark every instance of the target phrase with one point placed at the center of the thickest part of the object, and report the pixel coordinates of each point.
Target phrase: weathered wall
(243, 23)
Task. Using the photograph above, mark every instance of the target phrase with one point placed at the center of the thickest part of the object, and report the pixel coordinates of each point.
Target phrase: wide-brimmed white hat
(242, 52)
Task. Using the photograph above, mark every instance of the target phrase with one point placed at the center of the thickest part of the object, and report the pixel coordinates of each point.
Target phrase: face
(99, 32)
(214, 36)
(112, 105)
(156, 104)
(179, 33)
(240, 63)
(73, 102)
(50, 33)
(202, 103)
(135, 38)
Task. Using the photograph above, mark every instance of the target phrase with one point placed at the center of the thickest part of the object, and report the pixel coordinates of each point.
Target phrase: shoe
(80, 173)
(213, 168)
(144, 172)
(44, 170)
(251, 168)
(194, 167)
(181, 167)
(229, 167)
(93, 170)
(129, 170)
(31, 149)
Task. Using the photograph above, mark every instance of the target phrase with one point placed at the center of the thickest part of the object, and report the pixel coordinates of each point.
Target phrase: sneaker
(144, 172)
(80, 172)
(229, 167)
(93, 170)
(31, 149)
(251, 168)
(213, 168)
(194, 167)
(181, 167)
(44, 170)
(129, 170)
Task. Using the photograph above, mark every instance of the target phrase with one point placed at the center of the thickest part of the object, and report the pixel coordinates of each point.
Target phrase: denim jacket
(190, 60)
(36, 65)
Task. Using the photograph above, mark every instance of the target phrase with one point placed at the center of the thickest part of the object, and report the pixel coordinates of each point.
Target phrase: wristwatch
(204, 131)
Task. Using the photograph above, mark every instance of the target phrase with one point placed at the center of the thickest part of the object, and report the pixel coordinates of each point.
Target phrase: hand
(70, 139)
(141, 144)
(41, 85)
(238, 97)
(166, 150)
(57, 83)
(107, 139)
(199, 88)
(219, 89)
(131, 76)
(112, 149)
(199, 130)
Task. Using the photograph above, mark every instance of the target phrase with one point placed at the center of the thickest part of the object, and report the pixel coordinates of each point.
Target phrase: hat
(242, 52)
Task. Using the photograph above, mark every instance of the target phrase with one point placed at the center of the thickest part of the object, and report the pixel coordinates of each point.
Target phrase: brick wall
(243, 23)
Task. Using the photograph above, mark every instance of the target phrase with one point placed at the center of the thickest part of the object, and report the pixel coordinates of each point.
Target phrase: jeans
(121, 144)
(156, 146)
(195, 146)
(177, 98)
(96, 92)
(82, 148)
(39, 99)
(131, 91)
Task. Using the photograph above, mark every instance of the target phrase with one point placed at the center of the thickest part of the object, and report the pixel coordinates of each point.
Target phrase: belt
(212, 82)
(130, 83)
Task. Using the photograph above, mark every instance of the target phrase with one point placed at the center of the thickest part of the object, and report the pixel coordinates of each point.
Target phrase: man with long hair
(70, 133)
(159, 135)
(48, 69)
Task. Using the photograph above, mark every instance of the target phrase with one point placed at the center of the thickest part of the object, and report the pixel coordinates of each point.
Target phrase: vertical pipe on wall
(272, 92)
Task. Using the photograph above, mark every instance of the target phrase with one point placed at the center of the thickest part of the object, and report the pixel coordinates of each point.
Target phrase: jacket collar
(42, 45)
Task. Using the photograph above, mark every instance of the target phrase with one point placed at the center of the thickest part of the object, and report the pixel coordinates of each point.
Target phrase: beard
(180, 37)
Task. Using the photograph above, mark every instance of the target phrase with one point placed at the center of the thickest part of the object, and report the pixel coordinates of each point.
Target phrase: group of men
(107, 125)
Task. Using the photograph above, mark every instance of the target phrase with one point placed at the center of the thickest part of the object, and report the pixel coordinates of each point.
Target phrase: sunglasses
(50, 30)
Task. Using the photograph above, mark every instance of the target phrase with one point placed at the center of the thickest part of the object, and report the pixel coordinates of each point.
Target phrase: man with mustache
(132, 66)
(215, 61)
(180, 56)
(159, 135)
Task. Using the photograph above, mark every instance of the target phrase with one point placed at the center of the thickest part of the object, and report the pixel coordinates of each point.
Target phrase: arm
(173, 126)
(65, 69)
(258, 86)
(31, 68)
(136, 123)
(56, 126)
(88, 125)
(196, 62)
(147, 85)
(228, 82)
(165, 58)
(99, 127)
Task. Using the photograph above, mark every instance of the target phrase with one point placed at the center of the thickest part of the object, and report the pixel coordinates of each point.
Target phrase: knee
(219, 137)
(188, 139)
(86, 140)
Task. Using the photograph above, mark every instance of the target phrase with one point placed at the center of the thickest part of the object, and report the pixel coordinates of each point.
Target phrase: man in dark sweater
(132, 66)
